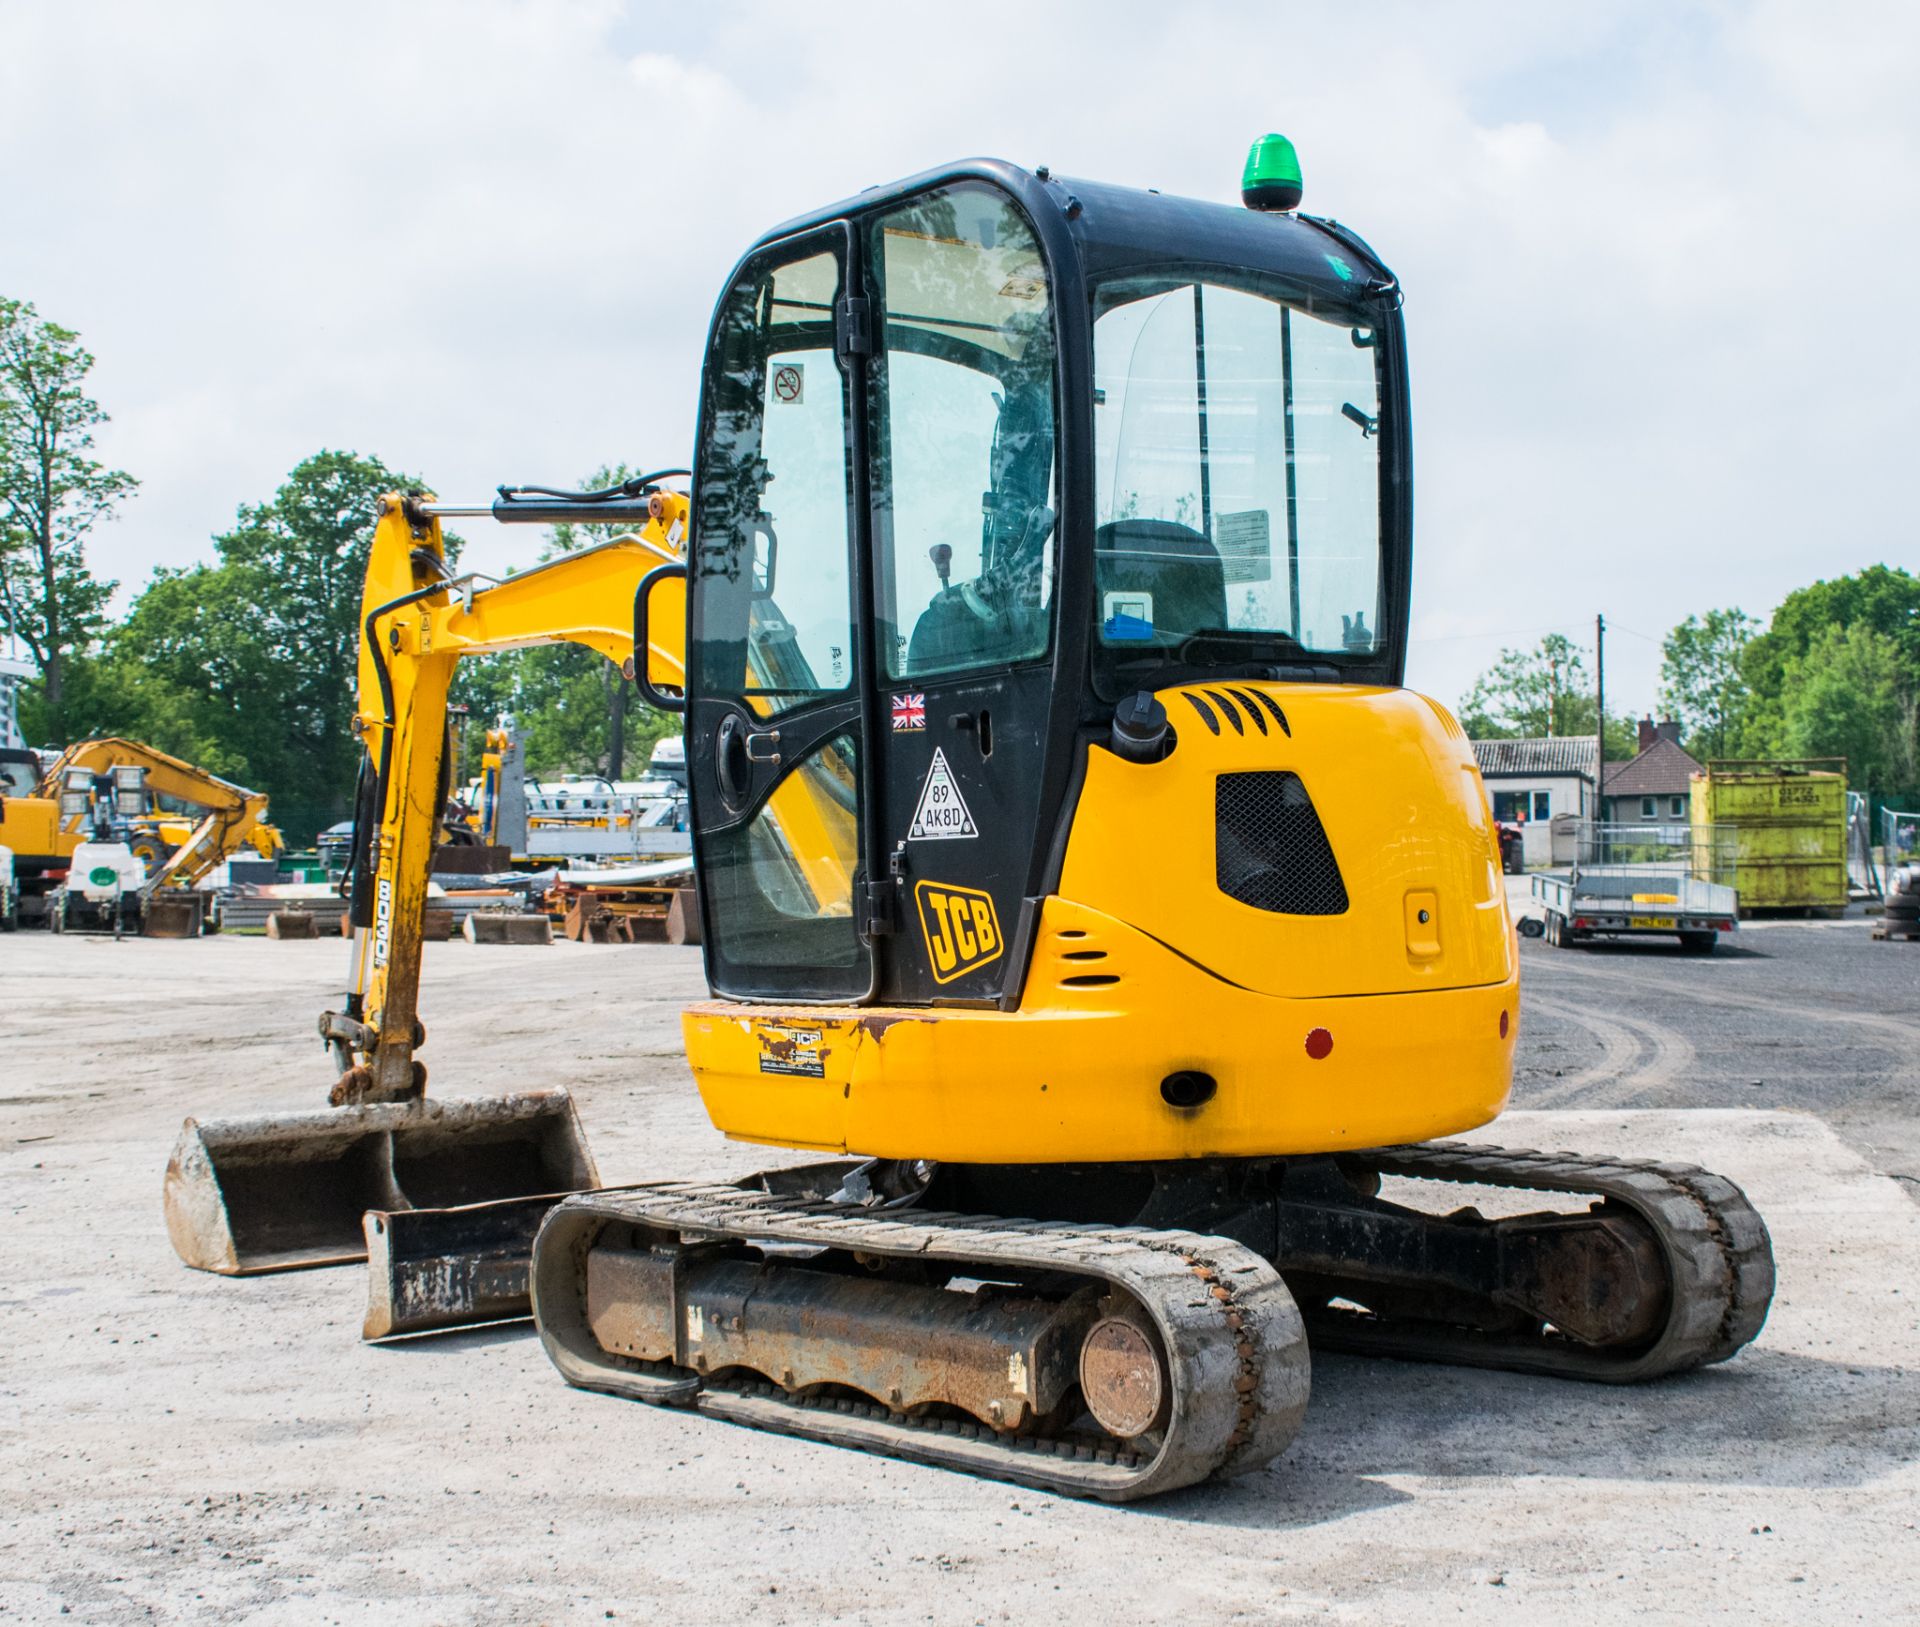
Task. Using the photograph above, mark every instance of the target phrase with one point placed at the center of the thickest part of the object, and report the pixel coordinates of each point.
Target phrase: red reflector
(1503, 1025)
(1319, 1043)
(1582, 921)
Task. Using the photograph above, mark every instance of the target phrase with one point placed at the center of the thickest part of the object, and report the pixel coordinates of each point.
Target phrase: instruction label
(785, 1048)
(1245, 542)
(942, 814)
(789, 383)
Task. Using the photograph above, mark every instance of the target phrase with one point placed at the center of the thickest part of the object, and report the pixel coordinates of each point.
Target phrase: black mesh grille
(1270, 849)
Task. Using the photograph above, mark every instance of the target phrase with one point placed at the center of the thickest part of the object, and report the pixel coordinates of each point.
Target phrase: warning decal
(942, 815)
(789, 383)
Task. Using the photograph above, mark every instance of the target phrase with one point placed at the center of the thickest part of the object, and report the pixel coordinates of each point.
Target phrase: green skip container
(1790, 822)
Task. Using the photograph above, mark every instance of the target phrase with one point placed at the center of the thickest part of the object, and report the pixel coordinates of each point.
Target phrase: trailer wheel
(1699, 943)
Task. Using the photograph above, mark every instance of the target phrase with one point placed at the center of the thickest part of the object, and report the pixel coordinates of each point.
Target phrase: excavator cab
(981, 456)
(1047, 610)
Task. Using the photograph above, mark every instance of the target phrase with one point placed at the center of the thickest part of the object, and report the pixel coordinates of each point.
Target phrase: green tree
(248, 665)
(1854, 694)
(1882, 598)
(580, 715)
(1701, 680)
(52, 494)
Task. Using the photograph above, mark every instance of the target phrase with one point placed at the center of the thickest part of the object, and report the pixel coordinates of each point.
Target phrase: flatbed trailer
(1580, 906)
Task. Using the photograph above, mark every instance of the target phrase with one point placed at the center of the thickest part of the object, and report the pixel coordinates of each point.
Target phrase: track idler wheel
(1123, 1374)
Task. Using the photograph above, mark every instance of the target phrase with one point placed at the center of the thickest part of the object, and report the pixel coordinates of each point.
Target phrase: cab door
(778, 731)
(963, 433)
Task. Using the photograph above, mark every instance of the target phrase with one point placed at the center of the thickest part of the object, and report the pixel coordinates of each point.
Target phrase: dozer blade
(433, 1269)
(287, 1190)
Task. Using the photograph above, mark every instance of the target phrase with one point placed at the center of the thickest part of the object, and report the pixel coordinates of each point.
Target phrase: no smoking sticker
(789, 383)
(942, 815)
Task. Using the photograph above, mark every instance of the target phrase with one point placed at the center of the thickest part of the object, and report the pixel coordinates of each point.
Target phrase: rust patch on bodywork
(876, 1027)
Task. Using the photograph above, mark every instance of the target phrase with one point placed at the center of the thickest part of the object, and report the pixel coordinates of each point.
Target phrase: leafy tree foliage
(247, 666)
(1837, 674)
(1546, 690)
(53, 492)
(1853, 695)
(580, 715)
(1534, 692)
(1700, 679)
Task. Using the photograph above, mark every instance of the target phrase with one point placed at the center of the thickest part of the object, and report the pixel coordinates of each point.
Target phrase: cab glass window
(963, 435)
(771, 537)
(1237, 474)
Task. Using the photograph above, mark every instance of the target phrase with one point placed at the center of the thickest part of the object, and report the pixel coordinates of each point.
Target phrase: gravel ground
(178, 1447)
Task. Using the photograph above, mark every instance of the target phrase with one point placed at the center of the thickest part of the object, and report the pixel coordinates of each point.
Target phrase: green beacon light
(1271, 179)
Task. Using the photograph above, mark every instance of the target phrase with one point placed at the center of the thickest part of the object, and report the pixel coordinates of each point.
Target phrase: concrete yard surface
(180, 1447)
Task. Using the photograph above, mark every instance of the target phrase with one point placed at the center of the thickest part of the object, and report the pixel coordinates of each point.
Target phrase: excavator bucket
(432, 1269)
(288, 1190)
(175, 913)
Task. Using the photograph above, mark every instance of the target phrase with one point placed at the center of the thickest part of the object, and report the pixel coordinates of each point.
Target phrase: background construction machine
(177, 822)
(1068, 849)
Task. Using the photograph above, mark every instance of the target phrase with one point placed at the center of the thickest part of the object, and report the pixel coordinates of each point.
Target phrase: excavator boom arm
(418, 621)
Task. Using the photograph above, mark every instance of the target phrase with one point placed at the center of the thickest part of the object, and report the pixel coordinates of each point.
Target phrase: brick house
(1656, 784)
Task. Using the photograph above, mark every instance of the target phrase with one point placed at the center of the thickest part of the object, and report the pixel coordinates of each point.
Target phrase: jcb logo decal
(960, 927)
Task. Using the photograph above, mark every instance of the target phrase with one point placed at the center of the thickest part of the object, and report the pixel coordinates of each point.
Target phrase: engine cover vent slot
(1270, 849)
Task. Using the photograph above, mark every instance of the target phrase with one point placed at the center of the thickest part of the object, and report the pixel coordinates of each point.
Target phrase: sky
(1657, 256)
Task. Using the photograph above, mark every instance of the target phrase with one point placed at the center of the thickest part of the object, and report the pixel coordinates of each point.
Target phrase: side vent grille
(1270, 849)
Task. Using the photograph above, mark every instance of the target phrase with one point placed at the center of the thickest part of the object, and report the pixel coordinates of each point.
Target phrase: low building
(1656, 784)
(1532, 780)
(1534, 783)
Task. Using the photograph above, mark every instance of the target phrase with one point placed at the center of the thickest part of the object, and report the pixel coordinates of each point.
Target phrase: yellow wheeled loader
(1077, 877)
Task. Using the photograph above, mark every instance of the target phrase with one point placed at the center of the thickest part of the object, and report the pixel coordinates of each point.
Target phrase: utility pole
(1600, 708)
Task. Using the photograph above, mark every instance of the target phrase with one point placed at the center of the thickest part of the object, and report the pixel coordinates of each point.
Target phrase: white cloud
(1654, 253)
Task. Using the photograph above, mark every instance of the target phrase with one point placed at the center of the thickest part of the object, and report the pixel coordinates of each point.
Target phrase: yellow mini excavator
(1069, 855)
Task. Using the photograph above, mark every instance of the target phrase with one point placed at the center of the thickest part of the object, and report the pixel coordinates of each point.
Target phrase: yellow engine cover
(1392, 1018)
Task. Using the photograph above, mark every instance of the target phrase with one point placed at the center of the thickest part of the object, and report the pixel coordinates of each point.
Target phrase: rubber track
(1236, 1346)
(1719, 1258)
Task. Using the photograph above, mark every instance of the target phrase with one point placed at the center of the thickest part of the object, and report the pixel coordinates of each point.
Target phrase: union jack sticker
(909, 714)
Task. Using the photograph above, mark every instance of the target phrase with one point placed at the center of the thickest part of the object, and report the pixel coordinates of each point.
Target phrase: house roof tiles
(1562, 754)
(1662, 770)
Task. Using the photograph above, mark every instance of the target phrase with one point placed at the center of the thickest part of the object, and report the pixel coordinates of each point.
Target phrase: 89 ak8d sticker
(942, 813)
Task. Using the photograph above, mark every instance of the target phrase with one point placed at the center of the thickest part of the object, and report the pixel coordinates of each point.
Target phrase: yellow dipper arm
(416, 622)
